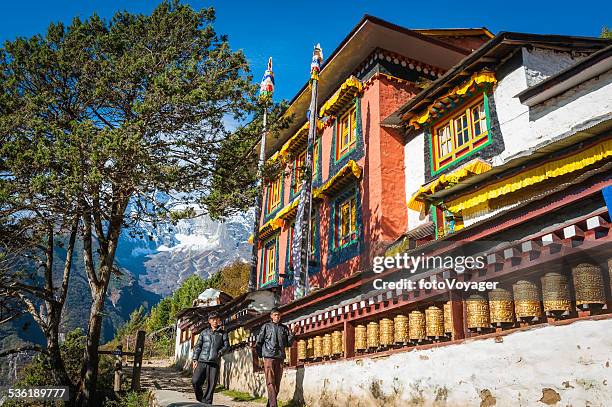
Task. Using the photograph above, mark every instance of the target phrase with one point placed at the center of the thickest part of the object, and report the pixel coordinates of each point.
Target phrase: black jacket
(211, 345)
(272, 340)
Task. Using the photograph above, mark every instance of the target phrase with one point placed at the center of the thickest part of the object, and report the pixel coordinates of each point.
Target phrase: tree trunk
(58, 371)
(87, 389)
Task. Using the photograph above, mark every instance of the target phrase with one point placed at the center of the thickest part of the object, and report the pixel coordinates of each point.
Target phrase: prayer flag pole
(300, 249)
(266, 91)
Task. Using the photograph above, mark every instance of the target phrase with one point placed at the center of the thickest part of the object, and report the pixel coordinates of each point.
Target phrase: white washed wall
(573, 362)
(182, 351)
(524, 129)
(414, 170)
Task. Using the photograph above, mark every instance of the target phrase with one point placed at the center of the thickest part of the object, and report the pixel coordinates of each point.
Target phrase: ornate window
(346, 136)
(346, 225)
(269, 262)
(298, 172)
(275, 195)
(460, 133)
(299, 167)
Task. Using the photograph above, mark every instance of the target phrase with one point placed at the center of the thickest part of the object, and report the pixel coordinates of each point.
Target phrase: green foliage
(235, 278)
(240, 396)
(233, 183)
(72, 353)
(36, 373)
(99, 118)
(189, 290)
(159, 316)
(606, 33)
(130, 399)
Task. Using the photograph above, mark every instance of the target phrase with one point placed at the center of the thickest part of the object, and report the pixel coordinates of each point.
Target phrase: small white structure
(191, 321)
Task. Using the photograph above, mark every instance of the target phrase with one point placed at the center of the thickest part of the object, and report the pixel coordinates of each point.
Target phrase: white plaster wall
(526, 129)
(523, 129)
(541, 63)
(414, 171)
(237, 373)
(590, 101)
(182, 351)
(573, 361)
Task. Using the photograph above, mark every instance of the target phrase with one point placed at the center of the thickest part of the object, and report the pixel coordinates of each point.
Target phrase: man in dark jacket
(207, 353)
(271, 342)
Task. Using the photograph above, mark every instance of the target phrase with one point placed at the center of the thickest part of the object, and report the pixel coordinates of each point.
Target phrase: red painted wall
(382, 187)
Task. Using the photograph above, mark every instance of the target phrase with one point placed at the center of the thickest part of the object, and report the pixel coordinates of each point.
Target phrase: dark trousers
(209, 373)
(273, 370)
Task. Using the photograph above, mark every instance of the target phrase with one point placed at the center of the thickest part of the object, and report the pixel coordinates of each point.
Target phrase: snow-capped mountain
(168, 254)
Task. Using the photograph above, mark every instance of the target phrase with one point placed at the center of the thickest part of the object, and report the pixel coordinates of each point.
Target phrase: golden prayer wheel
(501, 307)
(301, 350)
(477, 312)
(416, 326)
(589, 285)
(288, 356)
(361, 343)
(400, 325)
(337, 342)
(318, 347)
(434, 322)
(386, 332)
(556, 293)
(327, 345)
(448, 318)
(310, 348)
(373, 335)
(526, 299)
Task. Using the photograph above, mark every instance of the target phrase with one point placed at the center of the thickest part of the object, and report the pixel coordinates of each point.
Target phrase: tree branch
(36, 348)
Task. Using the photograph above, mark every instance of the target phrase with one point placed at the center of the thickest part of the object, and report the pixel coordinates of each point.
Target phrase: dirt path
(172, 388)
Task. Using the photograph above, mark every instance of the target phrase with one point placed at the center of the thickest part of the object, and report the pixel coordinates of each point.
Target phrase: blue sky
(288, 29)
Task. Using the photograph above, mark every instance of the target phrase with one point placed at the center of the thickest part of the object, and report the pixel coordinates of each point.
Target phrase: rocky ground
(172, 388)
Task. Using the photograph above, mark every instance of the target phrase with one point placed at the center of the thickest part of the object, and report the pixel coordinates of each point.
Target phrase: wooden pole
(118, 368)
(140, 341)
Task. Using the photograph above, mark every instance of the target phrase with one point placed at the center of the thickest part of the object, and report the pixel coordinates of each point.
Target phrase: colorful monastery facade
(447, 142)
(358, 174)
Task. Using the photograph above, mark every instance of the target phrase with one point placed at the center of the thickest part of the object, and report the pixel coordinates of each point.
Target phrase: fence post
(118, 368)
(138, 352)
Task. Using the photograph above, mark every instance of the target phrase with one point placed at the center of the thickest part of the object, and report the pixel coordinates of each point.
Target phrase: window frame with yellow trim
(346, 226)
(269, 269)
(344, 147)
(299, 161)
(271, 193)
(460, 124)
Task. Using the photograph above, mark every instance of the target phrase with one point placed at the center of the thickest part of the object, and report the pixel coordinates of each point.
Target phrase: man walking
(211, 345)
(271, 342)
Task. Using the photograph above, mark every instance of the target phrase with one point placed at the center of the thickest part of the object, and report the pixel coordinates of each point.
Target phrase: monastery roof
(492, 53)
(369, 34)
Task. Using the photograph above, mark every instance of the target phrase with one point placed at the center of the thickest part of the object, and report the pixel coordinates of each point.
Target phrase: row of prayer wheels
(418, 326)
(527, 303)
(497, 308)
(321, 347)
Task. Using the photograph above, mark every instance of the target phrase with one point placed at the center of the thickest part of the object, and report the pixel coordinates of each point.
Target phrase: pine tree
(118, 122)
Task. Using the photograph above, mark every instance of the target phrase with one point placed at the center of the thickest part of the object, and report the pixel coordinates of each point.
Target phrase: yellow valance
(476, 166)
(288, 211)
(295, 142)
(267, 229)
(476, 79)
(347, 91)
(552, 169)
(351, 170)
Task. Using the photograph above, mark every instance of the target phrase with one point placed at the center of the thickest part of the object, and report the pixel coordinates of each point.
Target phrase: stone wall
(567, 365)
